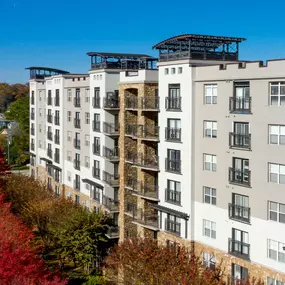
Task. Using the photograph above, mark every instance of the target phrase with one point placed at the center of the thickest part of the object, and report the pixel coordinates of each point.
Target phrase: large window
(172, 224)
(271, 281)
(173, 162)
(210, 94)
(276, 134)
(210, 195)
(240, 242)
(210, 162)
(173, 101)
(209, 260)
(173, 192)
(173, 130)
(277, 93)
(210, 129)
(276, 250)
(240, 172)
(276, 212)
(209, 228)
(277, 173)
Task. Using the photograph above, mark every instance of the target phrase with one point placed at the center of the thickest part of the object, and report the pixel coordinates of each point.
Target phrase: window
(173, 162)
(276, 134)
(87, 161)
(240, 172)
(96, 169)
(239, 273)
(241, 102)
(239, 210)
(179, 70)
(69, 136)
(173, 101)
(77, 199)
(173, 192)
(172, 70)
(40, 95)
(69, 158)
(276, 212)
(209, 260)
(172, 224)
(276, 250)
(210, 94)
(166, 71)
(210, 162)
(87, 186)
(210, 195)
(40, 128)
(209, 229)
(69, 95)
(96, 99)
(87, 118)
(69, 116)
(277, 93)
(277, 173)
(173, 131)
(271, 281)
(40, 112)
(240, 242)
(87, 140)
(87, 95)
(210, 129)
(96, 146)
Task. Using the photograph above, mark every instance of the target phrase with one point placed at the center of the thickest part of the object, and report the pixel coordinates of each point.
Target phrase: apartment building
(187, 153)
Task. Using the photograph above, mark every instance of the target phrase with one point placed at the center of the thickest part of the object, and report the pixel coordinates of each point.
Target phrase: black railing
(173, 134)
(56, 157)
(96, 102)
(49, 153)
(76, 143)
(96, 195)
(96, 126)
(131, 102)
(56, 102)
(76, 164)
(131, 208)
(145, 218)
(96, 148)
(173, 165)
(49, 100)
(240, 140)
(149, 132)
(96, 172)
(173, 227)
(240, 105)
(150, 103)
(239, 176)
(110, 204)
(173, 196)
(32, 146)
(56, 139)
(49, 118)
(32, 116)
(56, 120)
(110, 129)
(49, 136)
(147, 190)
(239, 248)
(77, 123)
(111, 154)
(173, 103)
(112, 232)
(76, 185)
(76, 102)
(239, 213)
(112, 180)
(32, 131)
(110, 103)
(32, 99)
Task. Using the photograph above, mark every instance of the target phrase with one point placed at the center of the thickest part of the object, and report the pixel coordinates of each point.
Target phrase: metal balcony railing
(150, 103)
(96, 126)
(173, 227)
(96, 148)
(149, 132)
(112, 180)
(173, 165)
(111, 154)
(240, 140)
(56, 102)
(56, 120)
(76, 164)
(173, 134)
(173, 103)
(239, 248)
(76, 143)
(130, 209)
(148, 190)
(49, 101)
(76, 102)
(96, 172)
(240, 105)
(32, 131)
(239, 213)
(49, 136)
(76, 185)
(96, 102)
(173, 196)
(32, 100)
(49, 118)
(113, 232)
(110, 204)
(77, 123)
(150, 162)
(32, 116)
(56, 157)
(96, 196)
(131, 103)
(49, 153)
(145, 218)
(110, 103)
(239, 176)
(110, 129)
(32, 146)
(56, 139)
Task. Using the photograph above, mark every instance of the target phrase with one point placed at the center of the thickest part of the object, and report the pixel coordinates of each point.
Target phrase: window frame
(212, 129)
(213, 87)
(277, 249)
(212, 229)
(277, 211)
(278, 174)
(278, 135)
(210, 195)
(211, 162)
(279, 84)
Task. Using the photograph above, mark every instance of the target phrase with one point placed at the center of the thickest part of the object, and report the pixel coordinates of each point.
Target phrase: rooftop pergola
(190, 46)
(37, 72)
(125, 61)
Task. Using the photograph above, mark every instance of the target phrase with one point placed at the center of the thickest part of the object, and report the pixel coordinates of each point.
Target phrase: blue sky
(59, 33)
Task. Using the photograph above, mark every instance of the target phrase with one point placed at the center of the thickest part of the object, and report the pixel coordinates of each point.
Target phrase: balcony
(240, 105)
(49, 119)
(56, 120)
(96, 172)
(240, 140)
(144, 132)
(173, 165)
(172, 196)
(239, 248)
(111, 104)
(76, 102)
(110, 204)
(56, 139)
(49, 101)
(32, 145)
(56, 157)
(112, 232)
(32, 131)
(112, 180)
(173, 227)
(239, 213)
(148, 162)
(150, 103)
(76, 143)
(132, 130)
(110, 129)
(76, 185)
(96, 102)
(130, 209)
(96, 126)
(131, 183)
(111, 154)
(147, 191)
(49, 136)
(49, 153)
(77, 123)
(173, 134)
(32, 116)
(148, 220)
(96, 149)
(131, 103)
(56, 102)
(173, 103)
(239, 176)
(76, 164)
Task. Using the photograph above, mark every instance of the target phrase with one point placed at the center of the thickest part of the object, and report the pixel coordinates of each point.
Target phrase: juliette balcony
(49, 153)
(150, 103)
(76, 143)
(111, 154)
(172, 196)
(112, 180)
(96, 172)
(96, 126)
(239, 248)
(110, 129)
(237, 140)
(76, 102)
(239, 176)
(173, 165)
(173, 103)
(240, 105)
(32, 131)
(56, 102)
(110, 204)
(173, 227)
(76, 164)
(96, 149)
(77, 123)
(32, 145)
(49, 101)
(76, 185)
(49, 118)
(32, 116)
(56, 139)
(96, 102)
(56, 157)
(239, 213)
(49, 136)
(173, 134)
(56, 120)
(111, 104)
